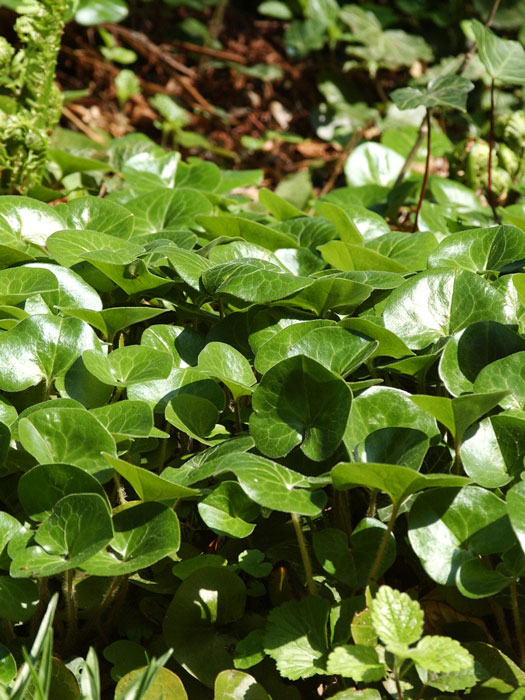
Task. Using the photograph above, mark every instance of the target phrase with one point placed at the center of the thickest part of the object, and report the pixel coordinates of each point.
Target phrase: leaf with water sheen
(133, 364)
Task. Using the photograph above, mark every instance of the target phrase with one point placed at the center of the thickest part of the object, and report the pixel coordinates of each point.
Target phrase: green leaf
(273, 486)
(397, 619)
(7, 666)
(438, 303)
(398, 482)
(144, 534)
(503, 59)
(373, 163)
(277, 206)
(500, 248)
(333, 554)
(226, 364)
(344, 256)
(164, 210)
(299, 402)
(40, 489)
(40, 348)
(127, 419)
(69, 247)
(296, 638)
(185, 380)
(516, 511)
(469, 351)
(505, 374)
(18, 283)
(346, 228)
(447, 527)
(380, 408)
(97, 214)
(93, 12)
(166, 684)
(65, 435)
(389, 344)
(251, 231)
(338, 350)
(228, 511)
(134, 364)
(19, 599)
(253, 280)
(492, 451)
(473, 580)
(358, 662)
(443, 91)
(78, 527)
(194, 415)
(404, 446)
(236, 685)
(459, 413)
(148, 485)
(366, 538)
(28, 220)
(198, 622)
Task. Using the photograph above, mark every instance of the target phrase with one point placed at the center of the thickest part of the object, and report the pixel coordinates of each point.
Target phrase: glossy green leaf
(505, 374)
(438, 303)
(449, 526)
(7, 665)
(184, 380)
(492, 451)
(166, 209)
(397, 481)
(389, 343)
(273, 486)
(18, 599)
(193, 415)
(144, 534)
(166, 684)
(336, 349)
(134, 364)
(43, 486)
(346, 228)
(147, 485)
(459, 413)
(228, 511)
(16, 284)
(277, 206)
(78, 527)
(29, 220)
(68, 436)
(251, 231)
(372, 163)
(516, 511)
(299, 402)
(98, 214)
(253, 280)
(69, 247)
(469, 351)
(344, 256)
(226, 364)
(40, 348)
(499, 248)
(476, 581)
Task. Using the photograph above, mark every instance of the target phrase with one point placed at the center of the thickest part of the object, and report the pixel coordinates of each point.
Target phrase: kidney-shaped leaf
(99, 214)
(228, 365)
(228, 510)
(18, 283)
(447, 527)
(443, 91)
(43, 486)
(41, 348)
(438, 303)
(397, 481)
(32, 221)
(78, 527)
(300, 402)
(133, 364)
(68, 436)
(273, 486)
(144, 534)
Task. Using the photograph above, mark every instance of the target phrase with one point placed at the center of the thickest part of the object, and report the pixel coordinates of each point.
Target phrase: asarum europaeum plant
(231, 432)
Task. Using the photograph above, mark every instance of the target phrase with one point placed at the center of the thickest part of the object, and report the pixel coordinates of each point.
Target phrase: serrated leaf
(358, 662)
(441, 654)
(397, 619)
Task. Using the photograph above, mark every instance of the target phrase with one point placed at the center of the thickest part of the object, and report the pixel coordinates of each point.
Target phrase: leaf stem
(384, 542)
(427, 169)
(307, 565)
(490, 194)
(71, 608)
(517, 621)
(396, 679)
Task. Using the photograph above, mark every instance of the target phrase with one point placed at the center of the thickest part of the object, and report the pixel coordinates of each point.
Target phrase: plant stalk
(307, 565)
(71, 609)
(517, 621)
(490, 194)
(427, 169)
(384, 542)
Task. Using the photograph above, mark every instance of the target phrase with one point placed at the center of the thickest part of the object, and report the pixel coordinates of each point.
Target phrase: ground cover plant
(272, 446)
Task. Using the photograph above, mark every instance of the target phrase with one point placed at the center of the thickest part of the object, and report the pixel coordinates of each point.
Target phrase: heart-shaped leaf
(299, 402)
(503, 59)
(443, 91)
(128, 365)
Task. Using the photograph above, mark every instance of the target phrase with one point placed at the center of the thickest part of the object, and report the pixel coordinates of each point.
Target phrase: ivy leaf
(296, 637)
(503, 59)
(444, 91)
(397, 619)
